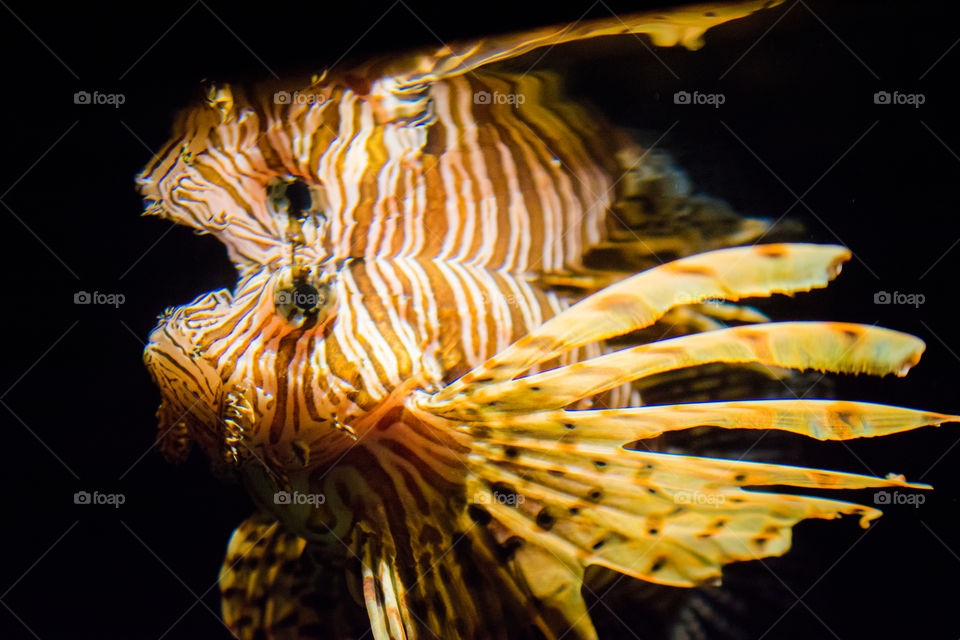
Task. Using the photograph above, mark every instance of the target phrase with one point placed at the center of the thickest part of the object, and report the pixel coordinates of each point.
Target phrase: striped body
(397, 321)
(448, 217)
(419, 340)
(517, 188)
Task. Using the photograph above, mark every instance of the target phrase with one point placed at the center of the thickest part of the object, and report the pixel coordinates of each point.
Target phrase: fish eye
(298, 206)
(293, 197)
(298, 196)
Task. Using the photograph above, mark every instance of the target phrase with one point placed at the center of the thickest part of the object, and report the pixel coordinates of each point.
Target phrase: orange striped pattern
(419, 336)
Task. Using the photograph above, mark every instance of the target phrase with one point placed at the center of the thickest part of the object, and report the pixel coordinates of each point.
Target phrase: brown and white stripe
(510, 187)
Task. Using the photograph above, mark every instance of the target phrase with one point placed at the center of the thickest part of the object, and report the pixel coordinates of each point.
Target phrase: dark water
(798, 133)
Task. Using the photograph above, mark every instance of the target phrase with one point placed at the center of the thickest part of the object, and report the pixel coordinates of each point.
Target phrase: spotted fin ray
(822, 346)
(430, 571)
(639, 301)
(565, 482)
(272, 589)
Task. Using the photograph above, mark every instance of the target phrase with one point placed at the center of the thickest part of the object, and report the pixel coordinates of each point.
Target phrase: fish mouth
(218, 418)
(190, 387)
(152, 204)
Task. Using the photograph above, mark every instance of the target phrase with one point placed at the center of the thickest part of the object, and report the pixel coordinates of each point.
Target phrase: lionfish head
(229, 170)
(222, 360)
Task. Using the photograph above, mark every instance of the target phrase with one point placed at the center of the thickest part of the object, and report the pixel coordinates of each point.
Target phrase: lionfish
(429, 375)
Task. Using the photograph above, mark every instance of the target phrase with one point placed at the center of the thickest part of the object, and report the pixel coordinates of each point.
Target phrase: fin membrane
(658, 218)
(666, 28)
(579, 488)
(641, 300)
(271, 588)
(430, 567)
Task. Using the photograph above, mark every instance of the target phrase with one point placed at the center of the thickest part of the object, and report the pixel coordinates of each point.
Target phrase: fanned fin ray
(819, 419)
(577, 486)
(824, 346)
(429, 565)
(682, 25)
(465, 601)
(270, 588)
(640, 300)
(669, 535)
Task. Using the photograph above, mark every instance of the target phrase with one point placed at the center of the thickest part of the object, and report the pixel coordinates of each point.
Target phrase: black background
(799, 115)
